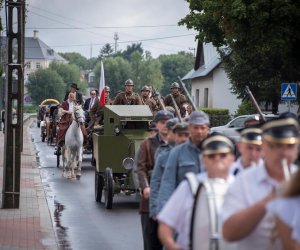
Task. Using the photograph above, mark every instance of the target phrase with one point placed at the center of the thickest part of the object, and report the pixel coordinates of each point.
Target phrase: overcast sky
(84, 26)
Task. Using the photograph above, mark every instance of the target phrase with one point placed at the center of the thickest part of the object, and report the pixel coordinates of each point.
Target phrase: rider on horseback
(65, 111)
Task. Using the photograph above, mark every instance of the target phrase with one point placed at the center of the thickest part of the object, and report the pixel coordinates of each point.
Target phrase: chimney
(35, 34)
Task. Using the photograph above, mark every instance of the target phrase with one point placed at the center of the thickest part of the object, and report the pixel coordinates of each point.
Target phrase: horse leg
(69, 164)
(73, 164)
(64, 159)
(79, 162)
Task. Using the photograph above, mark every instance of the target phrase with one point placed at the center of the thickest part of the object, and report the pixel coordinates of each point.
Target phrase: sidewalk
(29, 227)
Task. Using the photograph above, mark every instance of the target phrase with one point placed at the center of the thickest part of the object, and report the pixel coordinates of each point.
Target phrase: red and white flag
(102, 87)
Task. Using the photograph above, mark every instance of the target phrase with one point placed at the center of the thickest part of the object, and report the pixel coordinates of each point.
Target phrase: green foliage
(173, 66)
(262, 37)
(30, 108)
(116, 71)
(135, 47)
(77, 59)
(69, 73)
(44, 84)
(106, 51)
(217, 116)
(246, 108)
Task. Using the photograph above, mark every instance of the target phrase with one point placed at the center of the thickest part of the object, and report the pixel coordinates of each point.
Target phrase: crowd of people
(202, 190)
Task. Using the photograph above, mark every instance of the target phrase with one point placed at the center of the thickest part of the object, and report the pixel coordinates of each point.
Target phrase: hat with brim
(171, 123)
(251, 136)
(180, 127)
(163, 115)
(198, 117)
(217, 144)
(284, 131)
(74, 85)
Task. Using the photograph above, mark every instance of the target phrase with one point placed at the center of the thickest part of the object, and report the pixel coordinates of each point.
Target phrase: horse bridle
(77, 116)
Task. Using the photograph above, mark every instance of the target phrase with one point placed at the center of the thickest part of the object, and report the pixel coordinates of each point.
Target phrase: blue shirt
(182, 159)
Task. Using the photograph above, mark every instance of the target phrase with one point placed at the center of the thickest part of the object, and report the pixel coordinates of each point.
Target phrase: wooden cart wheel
(98, 186)
(58, 153)
(108, 189)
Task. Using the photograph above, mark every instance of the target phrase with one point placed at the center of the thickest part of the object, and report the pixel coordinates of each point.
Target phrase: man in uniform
(176, 216)
(146, 100)
(185, 157)
(128, 97)
(74, 89)
(245, 218)
(178, 134)
(145, 164)
(249, 147)
(179, 98)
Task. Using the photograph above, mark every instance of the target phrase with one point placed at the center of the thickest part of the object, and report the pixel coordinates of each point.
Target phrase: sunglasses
(213, 156)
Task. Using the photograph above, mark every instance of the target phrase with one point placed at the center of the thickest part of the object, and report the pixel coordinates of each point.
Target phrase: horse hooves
(78, 176)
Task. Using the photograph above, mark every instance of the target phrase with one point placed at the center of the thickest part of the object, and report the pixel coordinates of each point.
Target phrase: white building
(210, 84)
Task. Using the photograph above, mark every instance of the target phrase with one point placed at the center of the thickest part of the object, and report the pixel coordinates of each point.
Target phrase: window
(206, 97)
(38, 65)
(197, 98)
(28, 65)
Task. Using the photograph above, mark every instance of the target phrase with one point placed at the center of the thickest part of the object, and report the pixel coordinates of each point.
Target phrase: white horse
(72, 151)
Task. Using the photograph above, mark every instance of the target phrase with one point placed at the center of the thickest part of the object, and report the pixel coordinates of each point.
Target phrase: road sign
(288, 91)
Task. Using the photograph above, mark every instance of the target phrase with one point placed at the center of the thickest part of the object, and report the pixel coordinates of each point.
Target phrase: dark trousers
(150, 233)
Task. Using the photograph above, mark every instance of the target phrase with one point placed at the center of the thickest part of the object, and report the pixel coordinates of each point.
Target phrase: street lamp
(194, 51)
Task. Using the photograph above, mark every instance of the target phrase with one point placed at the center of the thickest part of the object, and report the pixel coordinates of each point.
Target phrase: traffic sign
(288, 91)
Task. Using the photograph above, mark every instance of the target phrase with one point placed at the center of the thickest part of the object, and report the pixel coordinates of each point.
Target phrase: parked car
(230, 129)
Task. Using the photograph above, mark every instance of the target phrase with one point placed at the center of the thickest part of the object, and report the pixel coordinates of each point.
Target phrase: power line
(101, 27)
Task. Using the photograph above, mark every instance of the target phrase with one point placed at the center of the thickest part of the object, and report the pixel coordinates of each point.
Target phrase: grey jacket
(158, 170)
(182, 159)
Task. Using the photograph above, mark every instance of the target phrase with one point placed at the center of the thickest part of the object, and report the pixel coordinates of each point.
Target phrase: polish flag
(102, 87)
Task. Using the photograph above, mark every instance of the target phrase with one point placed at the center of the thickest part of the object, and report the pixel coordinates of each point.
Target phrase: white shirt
(288, 210)
(92, 102)
(71, 106)
(178, 211)
(237, 167)
(251, 186)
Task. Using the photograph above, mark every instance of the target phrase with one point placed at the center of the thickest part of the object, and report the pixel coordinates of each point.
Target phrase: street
(79, 221)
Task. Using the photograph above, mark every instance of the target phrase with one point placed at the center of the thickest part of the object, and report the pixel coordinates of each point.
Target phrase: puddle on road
(60, 230)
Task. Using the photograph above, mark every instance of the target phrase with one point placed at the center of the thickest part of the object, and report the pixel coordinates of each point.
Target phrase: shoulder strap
(193, 182)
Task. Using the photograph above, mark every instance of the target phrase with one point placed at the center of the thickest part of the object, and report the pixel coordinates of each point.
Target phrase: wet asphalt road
(79, 221)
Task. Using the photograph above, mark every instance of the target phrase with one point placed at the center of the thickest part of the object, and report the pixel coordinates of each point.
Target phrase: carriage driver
(65, 111)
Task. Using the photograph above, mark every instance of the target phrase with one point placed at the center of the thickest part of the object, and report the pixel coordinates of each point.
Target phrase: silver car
(230, 129)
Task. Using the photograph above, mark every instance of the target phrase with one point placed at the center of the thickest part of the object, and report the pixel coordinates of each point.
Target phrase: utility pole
(91, 51)
(116, 38)
(14, 86)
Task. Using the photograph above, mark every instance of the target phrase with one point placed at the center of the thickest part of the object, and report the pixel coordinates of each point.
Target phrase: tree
(106, 51)
(173, 66)
(117, 70)
(131, 49)
(45, 83)
(69, 73)
(77, 59)
(257, 40)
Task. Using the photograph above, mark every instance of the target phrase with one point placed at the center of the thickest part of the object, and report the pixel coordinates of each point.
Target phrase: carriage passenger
(65, 111)
(78, 96)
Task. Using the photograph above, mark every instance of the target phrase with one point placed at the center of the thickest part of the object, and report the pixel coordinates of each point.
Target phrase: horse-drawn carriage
(114, 149)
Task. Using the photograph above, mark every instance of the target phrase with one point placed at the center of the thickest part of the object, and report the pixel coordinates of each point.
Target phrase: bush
(30, 108)
(217, 116)
(246, 108)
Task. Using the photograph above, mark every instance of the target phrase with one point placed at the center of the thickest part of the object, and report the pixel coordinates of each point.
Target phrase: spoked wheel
(108, 188)
(98, 186)
(58, 153)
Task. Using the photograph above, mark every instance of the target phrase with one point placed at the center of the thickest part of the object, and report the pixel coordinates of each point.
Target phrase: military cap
(175, 85)
(145, 88)
(217, 144)
(180, 127)
(251, 135)
(198, 117)
(163, 115)
(152, 127)
(107, 89)
(282, 130)
(172, 122)
(128, 82)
